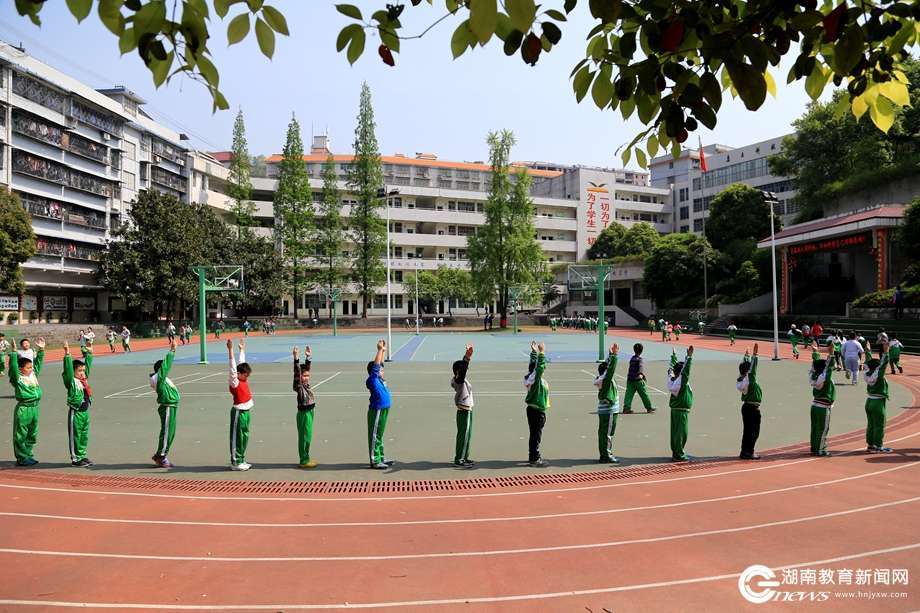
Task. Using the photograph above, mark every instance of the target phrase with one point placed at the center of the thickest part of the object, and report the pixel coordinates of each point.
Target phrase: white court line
(456, 554)
(151, 392)
(324, 380)
(651, 387)
(448, 601)
(431, 394)
(655, 390)
(557, 490)
(400, 348)
(417, 347)
(669, 505)
(148, 385)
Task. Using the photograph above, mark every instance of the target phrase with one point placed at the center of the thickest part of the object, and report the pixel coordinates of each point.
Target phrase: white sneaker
(238, 467)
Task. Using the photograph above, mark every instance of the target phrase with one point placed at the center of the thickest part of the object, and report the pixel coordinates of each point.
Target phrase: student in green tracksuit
(463, 400)
(635, 382)
(681, 402)
(823, 395)
(732, 331)
(794, 339)
(877, 390)
(28, 393)
(536, 401)
(306, 402)
(608, 406)
(751, 397)
(894, 354)
(79, 400)
(168, 406)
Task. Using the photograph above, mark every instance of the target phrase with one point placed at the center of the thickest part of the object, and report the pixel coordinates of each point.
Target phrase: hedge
(885, 299)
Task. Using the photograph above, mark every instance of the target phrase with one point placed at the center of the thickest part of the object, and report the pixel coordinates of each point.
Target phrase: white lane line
(456, 554)
(651, 387)
(417, 347)
(557, 490)
(390, 355)
(449, 601)
(148, 385)
(326, 379)
(669, 505)
(151, 392)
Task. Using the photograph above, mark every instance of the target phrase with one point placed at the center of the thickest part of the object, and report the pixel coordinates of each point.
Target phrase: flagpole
(703, 211)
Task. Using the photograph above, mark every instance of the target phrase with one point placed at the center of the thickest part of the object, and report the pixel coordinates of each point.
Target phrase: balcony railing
(38, 92)
(55, 172)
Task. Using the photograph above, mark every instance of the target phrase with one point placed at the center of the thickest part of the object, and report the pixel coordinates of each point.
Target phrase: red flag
(703, 166)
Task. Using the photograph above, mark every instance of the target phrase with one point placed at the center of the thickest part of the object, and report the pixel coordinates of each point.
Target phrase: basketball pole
(601, 316)
(202, 317)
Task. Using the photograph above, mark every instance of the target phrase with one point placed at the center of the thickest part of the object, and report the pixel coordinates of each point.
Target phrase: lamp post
(770, 198)
(382, 193)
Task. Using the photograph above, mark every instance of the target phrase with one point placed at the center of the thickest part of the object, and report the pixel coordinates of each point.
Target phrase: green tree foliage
(17, 242)
(365, 179)
(328, 237)
(172, 37)
(832, 153)
(151, 258)
(239, 185)
(669, 62)
(739, 214)
(262, 273)
(674, 269)
(504, 251)
(259, 166)
(294, 212)
(448, 284)
(607, 244)
(743, 285)
(909, 233)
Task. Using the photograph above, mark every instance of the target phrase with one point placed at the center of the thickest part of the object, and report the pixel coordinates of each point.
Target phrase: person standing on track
(537, 402)
(877, 390)
(894, 353)
(635, 382)
(463, 400)
(125, 339)
(681, 402)
(608, 406)
(823, 395)
(242, 404)
(110, 337)
(79, 400)
(306, 403)
(794, 339)
(167, 406)
(751, 397)
(732, 331)
(852, 356)
(23, 375)
(378, 409)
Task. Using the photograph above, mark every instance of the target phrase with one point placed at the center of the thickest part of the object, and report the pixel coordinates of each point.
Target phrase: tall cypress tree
(293, 212)
(328, 237)
(239, 186)
(504, 251)
(365, 179)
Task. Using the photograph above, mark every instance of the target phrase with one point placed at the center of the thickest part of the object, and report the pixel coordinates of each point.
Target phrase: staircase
(907, 330)
(634, 313)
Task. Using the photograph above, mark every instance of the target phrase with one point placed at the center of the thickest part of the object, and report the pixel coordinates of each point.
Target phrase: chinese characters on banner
(597, 211)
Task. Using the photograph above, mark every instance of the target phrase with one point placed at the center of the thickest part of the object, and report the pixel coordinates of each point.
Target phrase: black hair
(370, 366)
(78, 363)
(678, 368)
(818, 366)
(638, 348)
(744, 368)
(243, 368)
(893, 336)
(872, 364)
(24, 340)
(602, 368)
(851, 335)
(457, 365)
(531, 366)
(156, 367)
(24, 361)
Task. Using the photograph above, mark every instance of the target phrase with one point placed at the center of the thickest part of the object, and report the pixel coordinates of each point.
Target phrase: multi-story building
(692, 190)
(77, 158)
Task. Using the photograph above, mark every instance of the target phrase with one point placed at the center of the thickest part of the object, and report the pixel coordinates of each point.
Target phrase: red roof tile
(887, 211)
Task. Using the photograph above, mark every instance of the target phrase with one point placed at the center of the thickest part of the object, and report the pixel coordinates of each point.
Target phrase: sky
(427, 103)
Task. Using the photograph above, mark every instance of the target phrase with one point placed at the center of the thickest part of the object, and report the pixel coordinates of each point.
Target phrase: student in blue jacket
(378, 408)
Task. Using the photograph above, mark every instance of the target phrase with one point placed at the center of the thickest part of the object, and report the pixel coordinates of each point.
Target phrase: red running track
(672, 540)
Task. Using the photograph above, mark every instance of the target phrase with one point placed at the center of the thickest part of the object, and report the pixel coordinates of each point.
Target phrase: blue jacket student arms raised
(375, 383)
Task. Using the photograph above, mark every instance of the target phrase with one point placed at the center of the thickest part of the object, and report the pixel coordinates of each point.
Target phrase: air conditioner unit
(106, 136)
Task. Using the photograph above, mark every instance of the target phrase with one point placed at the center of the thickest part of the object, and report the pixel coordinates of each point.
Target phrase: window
(685, 228)
(129, 150)
(792, 206)
(683, 194)
(129, 180)
(397, 252)
(40, 93)
(697, 225)
(397, 276)
(55, 172)
(685, 212)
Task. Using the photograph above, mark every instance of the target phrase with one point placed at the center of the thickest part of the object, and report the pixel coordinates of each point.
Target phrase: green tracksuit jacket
(753, 395)
(683, 399)
(26, 389)
(538, 392)
(167, 392)
(75, 392)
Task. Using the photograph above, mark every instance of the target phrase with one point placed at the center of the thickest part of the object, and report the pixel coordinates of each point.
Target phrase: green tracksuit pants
(25, 430)
(168, 416)
(731, 337)
(606, 428)
(376, 426)
(464, 435)
(875, 422)
(680, 430)
(77, 433)
(820, 425)
(633, 388)
(304, 434)
(239, 435)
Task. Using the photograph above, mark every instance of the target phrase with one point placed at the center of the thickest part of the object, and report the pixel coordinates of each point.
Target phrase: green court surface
(421, 429)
